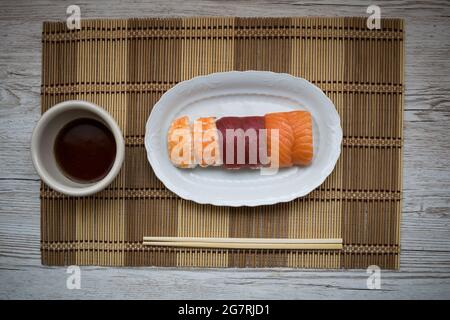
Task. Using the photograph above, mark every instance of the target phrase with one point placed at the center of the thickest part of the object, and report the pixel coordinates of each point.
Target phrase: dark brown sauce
(85, 150)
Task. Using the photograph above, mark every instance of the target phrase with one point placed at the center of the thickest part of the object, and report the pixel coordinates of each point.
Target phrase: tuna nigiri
(245, 132)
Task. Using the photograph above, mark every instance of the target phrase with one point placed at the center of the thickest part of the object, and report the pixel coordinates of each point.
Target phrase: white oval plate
(243, 94)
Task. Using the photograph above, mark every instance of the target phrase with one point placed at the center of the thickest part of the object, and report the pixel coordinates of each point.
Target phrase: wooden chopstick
(231, 245)
(241, 240)
(244, 243)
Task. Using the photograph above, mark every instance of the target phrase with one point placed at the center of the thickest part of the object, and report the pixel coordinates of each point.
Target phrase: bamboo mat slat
(126, 65)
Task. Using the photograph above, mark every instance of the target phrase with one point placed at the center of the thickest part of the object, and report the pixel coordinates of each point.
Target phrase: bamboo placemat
(126, 65)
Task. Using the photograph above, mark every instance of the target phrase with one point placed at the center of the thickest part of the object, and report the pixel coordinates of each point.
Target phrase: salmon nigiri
(295, 136)
(279, 121)
(301, 124)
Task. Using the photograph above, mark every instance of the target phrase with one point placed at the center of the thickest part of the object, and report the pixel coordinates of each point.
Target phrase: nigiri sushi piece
(281, 152)
(206, 142)
(301, 124)
(180, 143)
(241, 140)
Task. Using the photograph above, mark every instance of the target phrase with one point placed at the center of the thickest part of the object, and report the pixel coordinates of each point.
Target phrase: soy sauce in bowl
(85, 150)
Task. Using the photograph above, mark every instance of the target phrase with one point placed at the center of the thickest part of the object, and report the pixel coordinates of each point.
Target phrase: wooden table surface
(425, 237)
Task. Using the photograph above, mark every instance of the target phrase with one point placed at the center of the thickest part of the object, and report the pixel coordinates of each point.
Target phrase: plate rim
(325, 172)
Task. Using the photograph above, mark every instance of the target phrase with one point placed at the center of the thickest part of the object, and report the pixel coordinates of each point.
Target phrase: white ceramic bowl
(43, 140)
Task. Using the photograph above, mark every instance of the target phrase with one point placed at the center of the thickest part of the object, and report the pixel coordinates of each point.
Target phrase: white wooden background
(425, 258)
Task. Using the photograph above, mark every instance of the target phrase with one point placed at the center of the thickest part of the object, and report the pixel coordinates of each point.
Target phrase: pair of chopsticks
(244, 243)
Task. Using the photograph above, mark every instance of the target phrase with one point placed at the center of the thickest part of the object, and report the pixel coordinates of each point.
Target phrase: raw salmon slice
(279, 121)
(301, 124)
